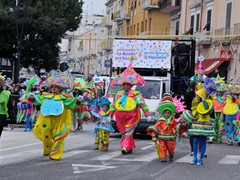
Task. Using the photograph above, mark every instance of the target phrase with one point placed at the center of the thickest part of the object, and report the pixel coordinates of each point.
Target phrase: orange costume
(165, 131)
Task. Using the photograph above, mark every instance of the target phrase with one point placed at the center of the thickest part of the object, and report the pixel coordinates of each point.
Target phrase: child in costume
(230, 112)
(104, 127)
(202, 107)
(166, 130)
(80, 83)
(219, 102)
(126, 107)
(30, 109)
(54, 122)
(77, 113)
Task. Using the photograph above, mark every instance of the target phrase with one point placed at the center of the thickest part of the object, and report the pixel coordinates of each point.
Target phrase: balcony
(223, 34)
(127, 15)
(168, 6)
(107, 45)
(106, 22)
(118, 16)
(237, 28)
(204, 37)
(149, 4)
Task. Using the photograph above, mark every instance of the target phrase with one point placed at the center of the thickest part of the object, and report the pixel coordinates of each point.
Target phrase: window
(145, 25)
(142, 27)
(228, 15)
(209, 20)
(137, 28)
(150, 25)
(197, 22)
(192, 22)
(177, 28)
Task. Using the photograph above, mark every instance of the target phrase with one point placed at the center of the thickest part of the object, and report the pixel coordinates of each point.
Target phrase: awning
(209, 65)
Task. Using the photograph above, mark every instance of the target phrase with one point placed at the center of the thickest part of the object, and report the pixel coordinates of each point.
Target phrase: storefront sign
(225, 55)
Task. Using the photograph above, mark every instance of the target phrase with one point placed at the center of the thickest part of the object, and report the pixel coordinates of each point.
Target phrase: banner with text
(142, 53)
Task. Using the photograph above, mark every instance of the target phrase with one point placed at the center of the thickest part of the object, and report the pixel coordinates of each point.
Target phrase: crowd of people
(61, 103)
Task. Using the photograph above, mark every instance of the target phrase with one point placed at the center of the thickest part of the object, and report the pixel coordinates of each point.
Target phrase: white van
(152, 99)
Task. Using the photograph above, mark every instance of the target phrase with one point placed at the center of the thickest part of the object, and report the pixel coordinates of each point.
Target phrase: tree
(41, 25)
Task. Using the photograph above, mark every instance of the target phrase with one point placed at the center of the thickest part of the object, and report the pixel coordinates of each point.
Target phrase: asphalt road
(21, 158)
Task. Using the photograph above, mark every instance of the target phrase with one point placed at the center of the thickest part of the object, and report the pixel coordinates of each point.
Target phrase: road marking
(230, 159)
(147, 147)
(78, 168)
(107, 156)
(184, 159)
(73, 153)
(119, 157)
(9, 144)
(18, 147)
(20, 154)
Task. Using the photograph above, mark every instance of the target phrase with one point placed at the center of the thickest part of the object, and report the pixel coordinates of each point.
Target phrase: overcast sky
(94, 7)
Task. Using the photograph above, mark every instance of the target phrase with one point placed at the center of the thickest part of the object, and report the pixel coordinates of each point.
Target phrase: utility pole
(17, 61)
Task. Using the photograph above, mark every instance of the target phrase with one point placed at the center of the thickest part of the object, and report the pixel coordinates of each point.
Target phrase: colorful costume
(126, 108)
(166, 130)
(202, 107)
(5, 105)
(201, 127)
(219, 102)
(230, 112)
(54, 122)
(104, 127)
(78, 111)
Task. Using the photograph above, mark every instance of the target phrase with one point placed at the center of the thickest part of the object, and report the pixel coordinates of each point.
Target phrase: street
(21, 158)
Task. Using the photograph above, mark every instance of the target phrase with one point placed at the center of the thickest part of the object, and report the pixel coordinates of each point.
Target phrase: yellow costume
(54, 123)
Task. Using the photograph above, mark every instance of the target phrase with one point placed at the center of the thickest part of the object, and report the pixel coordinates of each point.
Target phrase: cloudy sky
(94, 7)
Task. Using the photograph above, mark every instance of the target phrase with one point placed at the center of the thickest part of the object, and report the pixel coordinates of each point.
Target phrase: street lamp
(17, 62)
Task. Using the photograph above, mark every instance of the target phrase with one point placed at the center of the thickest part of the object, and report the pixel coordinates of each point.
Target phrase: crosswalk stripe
(230, 159)
(107, 156)
(79, 168)
(73, 153)
(184, 159)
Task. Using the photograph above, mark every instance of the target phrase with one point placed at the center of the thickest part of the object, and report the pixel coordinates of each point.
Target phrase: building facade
(216, 25)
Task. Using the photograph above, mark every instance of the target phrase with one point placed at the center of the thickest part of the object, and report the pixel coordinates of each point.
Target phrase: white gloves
(149, 118)
(80, 98)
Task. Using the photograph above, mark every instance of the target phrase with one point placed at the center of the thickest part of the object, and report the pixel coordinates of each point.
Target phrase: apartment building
(216, 24)
(143, 17)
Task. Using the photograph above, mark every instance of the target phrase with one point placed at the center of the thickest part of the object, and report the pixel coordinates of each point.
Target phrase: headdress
(61, 79)
(104, 101)
(167, 104)
(180, 105)
(80, 83)
(209, 86)
(130, 76)
(220, 83)
(235, 89)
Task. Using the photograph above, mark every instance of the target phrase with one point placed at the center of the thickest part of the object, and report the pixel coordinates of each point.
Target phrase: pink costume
(126, 108)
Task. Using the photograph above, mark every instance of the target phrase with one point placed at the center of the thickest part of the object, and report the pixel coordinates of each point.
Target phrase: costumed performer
(104, 127)
(230, 111)
(218, 104)
(201, 128)
(5, 105)
(78, 111)
(54, 122)
(126, 107)
(165, 131)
